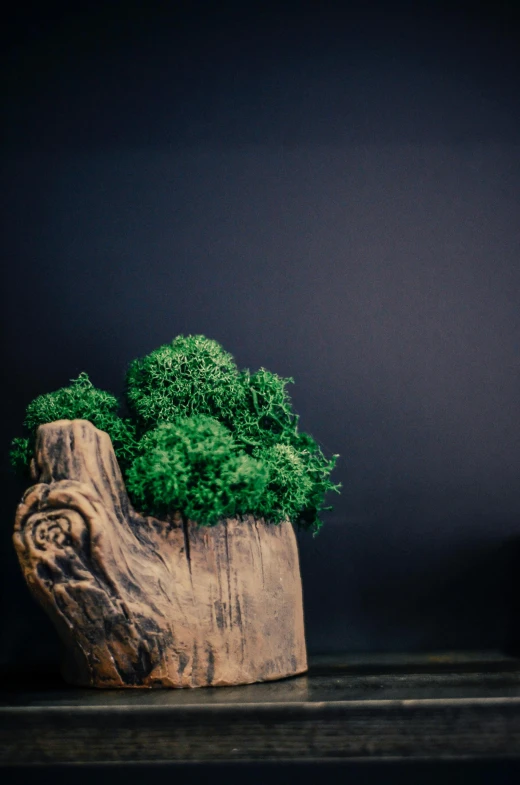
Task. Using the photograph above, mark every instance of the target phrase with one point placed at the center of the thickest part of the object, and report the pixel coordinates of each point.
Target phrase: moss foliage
(194, 464)
(80, 401)
(202, 437)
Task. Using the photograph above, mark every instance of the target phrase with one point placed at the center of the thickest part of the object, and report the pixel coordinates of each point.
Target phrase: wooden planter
(142, 602)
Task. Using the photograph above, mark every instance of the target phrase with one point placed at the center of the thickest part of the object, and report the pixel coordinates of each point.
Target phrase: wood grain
(142, 602)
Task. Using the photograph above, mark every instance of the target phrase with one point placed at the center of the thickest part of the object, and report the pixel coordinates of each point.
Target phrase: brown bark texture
(142, 602)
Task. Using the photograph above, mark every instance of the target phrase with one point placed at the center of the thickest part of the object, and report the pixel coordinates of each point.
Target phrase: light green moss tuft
(191, 375)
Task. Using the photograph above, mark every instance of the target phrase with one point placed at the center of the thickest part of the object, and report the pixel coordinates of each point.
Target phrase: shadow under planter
(142, 602)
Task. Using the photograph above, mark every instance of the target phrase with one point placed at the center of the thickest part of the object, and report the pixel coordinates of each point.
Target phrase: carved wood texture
(142, 602)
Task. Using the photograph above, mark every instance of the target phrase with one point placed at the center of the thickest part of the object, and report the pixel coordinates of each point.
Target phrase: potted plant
(161, 540)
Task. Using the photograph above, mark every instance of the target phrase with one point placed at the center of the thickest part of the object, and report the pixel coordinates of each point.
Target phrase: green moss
(194, 465)
(191, 375)
(20, 455)
(289, 483)
(80, 401)
(203, 437)
(264, 417)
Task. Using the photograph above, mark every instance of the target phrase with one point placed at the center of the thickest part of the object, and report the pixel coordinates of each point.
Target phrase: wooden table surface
(448, 705)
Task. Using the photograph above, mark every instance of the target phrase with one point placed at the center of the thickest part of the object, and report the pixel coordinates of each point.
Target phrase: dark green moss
(195, 465)
(79, 401)
(203, 437)
(20, 455)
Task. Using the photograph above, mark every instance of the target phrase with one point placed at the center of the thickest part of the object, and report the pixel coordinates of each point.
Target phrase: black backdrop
(334, 195)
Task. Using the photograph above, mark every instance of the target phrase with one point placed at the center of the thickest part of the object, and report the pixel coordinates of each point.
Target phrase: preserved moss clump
(194, 464)
(80, 401)
(202, 438)
(192, 375)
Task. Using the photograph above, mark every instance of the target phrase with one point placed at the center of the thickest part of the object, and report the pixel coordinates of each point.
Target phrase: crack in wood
(186, 536)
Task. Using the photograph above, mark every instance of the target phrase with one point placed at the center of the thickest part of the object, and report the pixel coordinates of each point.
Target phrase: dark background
(332, 194)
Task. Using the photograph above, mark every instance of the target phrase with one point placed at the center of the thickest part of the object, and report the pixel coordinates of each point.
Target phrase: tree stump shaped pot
(142, 602)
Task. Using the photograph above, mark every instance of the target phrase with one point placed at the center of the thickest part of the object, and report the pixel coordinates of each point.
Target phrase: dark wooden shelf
(459, 706)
